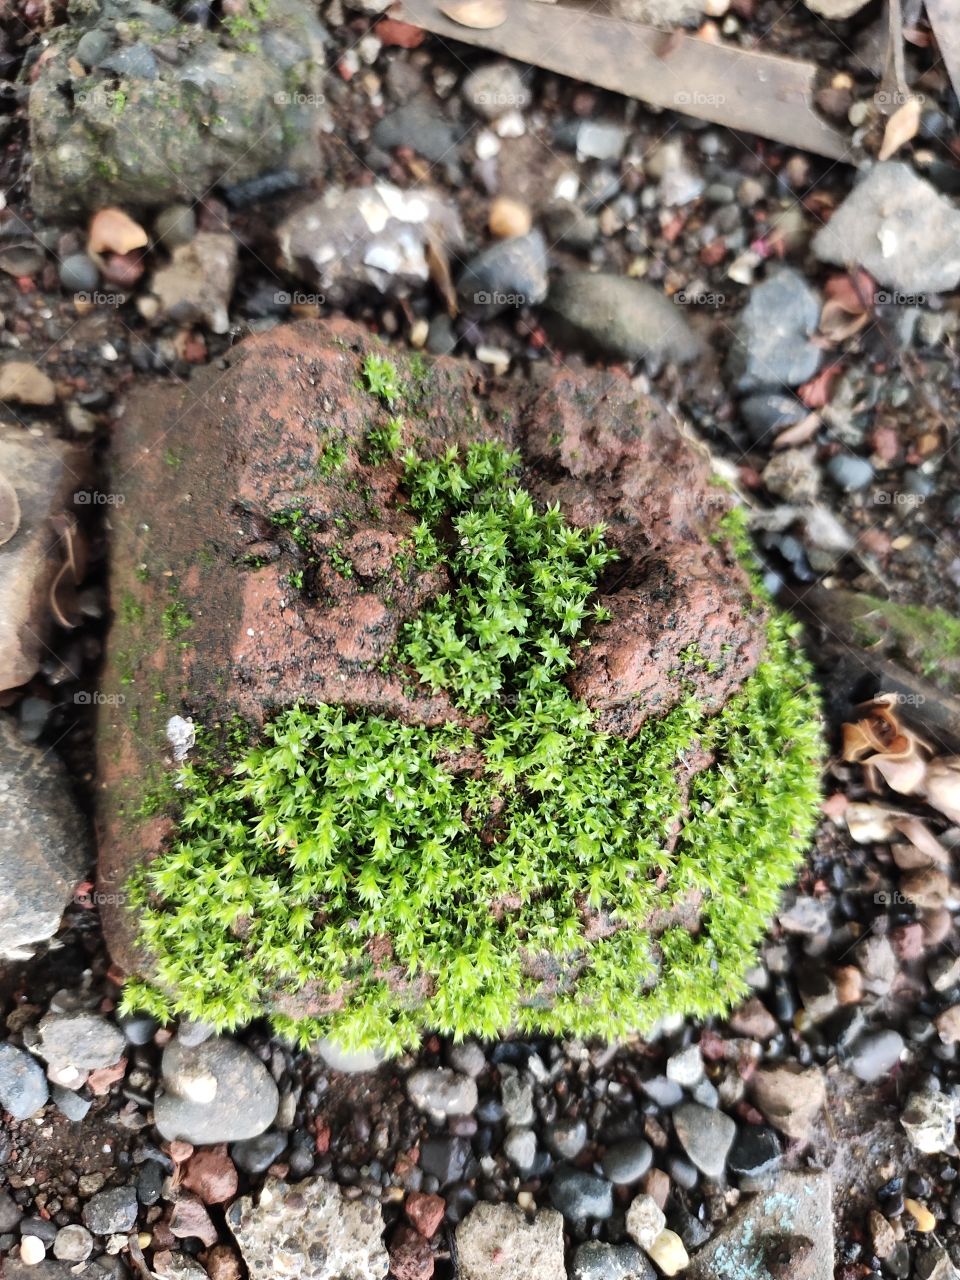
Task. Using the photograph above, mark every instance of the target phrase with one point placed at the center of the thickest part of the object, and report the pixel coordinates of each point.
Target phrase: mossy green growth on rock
(520, 869)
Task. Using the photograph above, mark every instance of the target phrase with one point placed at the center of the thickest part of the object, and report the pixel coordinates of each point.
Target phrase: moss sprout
(445, 878)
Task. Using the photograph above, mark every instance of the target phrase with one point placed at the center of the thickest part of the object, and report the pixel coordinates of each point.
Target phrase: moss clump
(472, 851)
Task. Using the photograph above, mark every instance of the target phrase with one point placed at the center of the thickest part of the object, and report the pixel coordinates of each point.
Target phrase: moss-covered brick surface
(493, 731)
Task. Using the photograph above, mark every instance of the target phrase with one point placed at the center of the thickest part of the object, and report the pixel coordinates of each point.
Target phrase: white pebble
(32, 1250)
(668, 1253)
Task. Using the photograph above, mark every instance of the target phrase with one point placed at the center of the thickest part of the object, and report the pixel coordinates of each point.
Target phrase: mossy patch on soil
(528, 871)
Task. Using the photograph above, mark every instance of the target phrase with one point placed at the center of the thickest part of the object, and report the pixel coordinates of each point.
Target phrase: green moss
(379, 377)
(470, 851)
(927, 640)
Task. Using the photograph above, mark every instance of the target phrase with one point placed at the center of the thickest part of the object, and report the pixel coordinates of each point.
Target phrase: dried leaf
(800, 433)
(871, 823)
(438, 265)
(923, 839)
(113, 231)
(901, 127)
(481, 15)
(838, 323)
(9, 510)
(906, 776)
(942, 788)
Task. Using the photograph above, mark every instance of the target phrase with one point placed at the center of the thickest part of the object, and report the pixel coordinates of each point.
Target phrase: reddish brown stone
(425, 1212)
(208, 468)
(411, 1257)
(212, 1175)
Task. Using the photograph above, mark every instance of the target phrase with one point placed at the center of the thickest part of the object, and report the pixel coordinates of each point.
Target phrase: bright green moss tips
(379, 376)
(472, 859)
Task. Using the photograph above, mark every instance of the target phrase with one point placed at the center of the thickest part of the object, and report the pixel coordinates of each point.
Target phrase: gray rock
(619, 317)
(800, 1204)
(626, 1162)
(23, 1085)
(930, 1122)
(78, 273)
(10, 1213)
(138, 1028)
(468, 1058)
(943, 971)
(849, 473)
(878, 963)
(14, 1269)
(597, 1261)
(772, 346)
(93, 148)
(73, 1244)
(571, 226)
(686, 1067)
(767, 413)
(111, 1211)
(498, 1242)
(566, 1138)
(256, 1155)
(806, 916)
(175, 225)
(665, 1093)
(308, 1231)
(191, 1033)
(875, 1054)
(600, 140)
(72, 1104)
(899, 228)
(495, 88)
(418, 125)
(579, 1195)
(441, 338)
(216, 1092)
(196, 285)
(520, 1148)
(508, 273)
(516, 1094)
(705, 1135)
(445, 1159)
(358, 239)
(81, 1039)
(441, 1092)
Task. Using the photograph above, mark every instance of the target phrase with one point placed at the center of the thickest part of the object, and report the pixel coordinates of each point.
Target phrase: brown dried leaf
(901, 127)
(908, 775)
(438, 265)
(481, 15)
(923, 839)
(9, 510)
(942, 786)
(837, 323)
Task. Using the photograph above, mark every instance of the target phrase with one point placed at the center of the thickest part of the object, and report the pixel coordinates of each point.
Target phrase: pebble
(509, 217)
(600, 140)
(849, 473)
(668, 1252)
(883, 1238)
(686, 1067)
(929, 1120)
(566, 1138)
(256, 1155)
(924, 1219)
(32, 1250)
(520, 1148)
(175, 225)
(596, 1260)
(73, 1244)
(111, 1211)
(113, 231)
(499, 1242)
(579, 1195)
(23, 1085)
(72, 1104)
(705, 1135)
(468, 1058)
(620, 317)
(216, 1092)
(791, 1097)
(875, 1054)
(645, 1221)
(627, 1161)
(494, 89)
(773, 346)
(81, 1039)
(445, 1159)
(78, 273)
(877, 962)
(767, 413)
(571, 226)
(510, 273)
(665, 1093)
(441, 1092)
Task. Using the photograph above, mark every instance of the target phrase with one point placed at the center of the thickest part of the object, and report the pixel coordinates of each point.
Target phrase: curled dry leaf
(943, 786)
(481, 15)
(923, 839)
(438, 264)
(901, 127)
(63, 600)
(9, 510)
(871, 823)
(113, 231)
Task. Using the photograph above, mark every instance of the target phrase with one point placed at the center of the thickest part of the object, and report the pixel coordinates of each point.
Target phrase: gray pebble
(73, 1244)
(72, 1104)
(875, 1054)
(78, 273)
(579, 1195)
(520, 1148)
(598, 1261)
(627, 1161)
(665, 1093)
(849, 473)
(566, 1138)
(175, 225)
(706, 1136)
(23, 1085)
(112, 1211)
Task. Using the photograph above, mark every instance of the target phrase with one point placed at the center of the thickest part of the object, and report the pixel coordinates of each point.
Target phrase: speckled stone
(307, 1231)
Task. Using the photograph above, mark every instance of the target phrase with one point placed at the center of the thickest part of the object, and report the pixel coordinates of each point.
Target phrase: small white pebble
(32, 1250)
